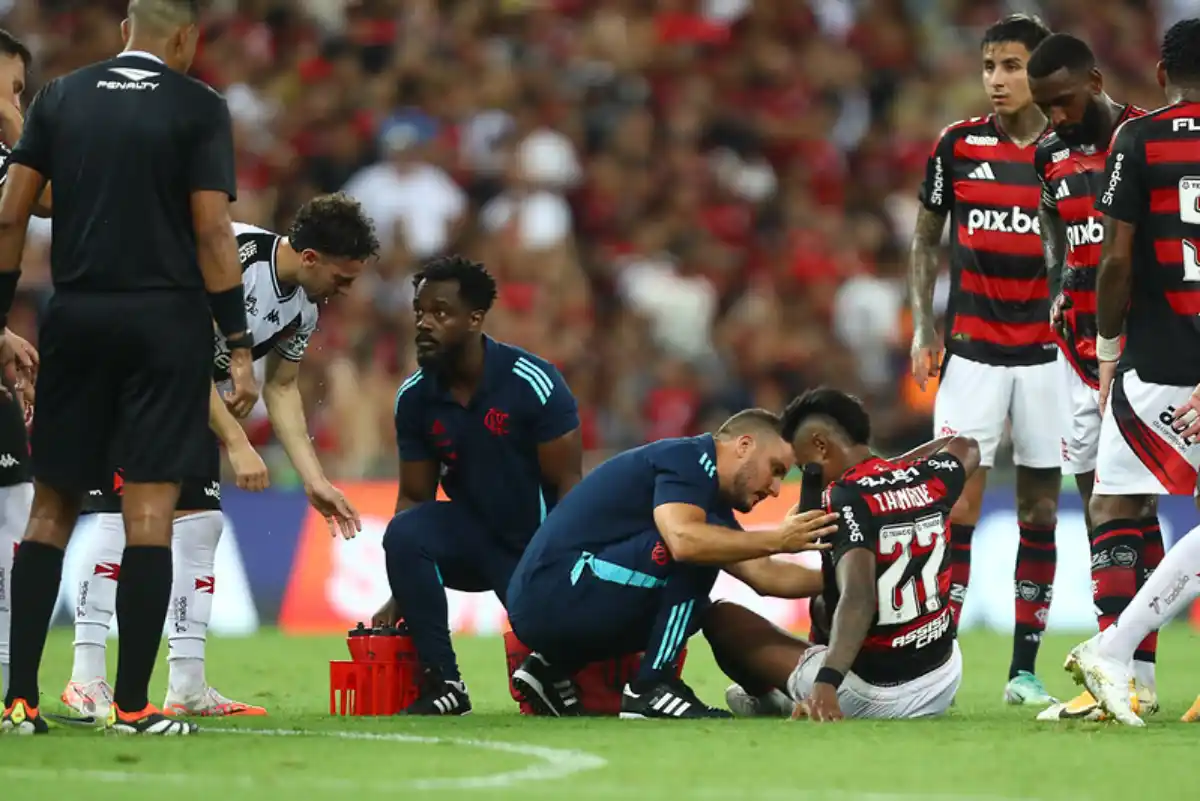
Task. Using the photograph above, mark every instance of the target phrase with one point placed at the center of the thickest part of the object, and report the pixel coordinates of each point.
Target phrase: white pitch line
(552, 763)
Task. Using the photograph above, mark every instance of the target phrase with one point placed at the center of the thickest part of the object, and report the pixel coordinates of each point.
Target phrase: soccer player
(627, 560)
(892, 651)
(1068, 87)
(130, 144)
(1151, 207)
(498, 427)
(999, 352)
(284, 278)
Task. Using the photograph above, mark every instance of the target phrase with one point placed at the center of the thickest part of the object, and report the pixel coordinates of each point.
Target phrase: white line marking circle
(552, 763)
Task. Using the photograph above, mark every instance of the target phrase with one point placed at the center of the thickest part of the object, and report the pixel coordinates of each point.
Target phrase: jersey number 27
(900, 600)
(1189, 212)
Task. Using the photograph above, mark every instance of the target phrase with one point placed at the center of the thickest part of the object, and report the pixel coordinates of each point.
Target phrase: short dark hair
(1060, 51)
(844, 409)
(476, 286)
(12, 46)
(1181, 51)
(749, 421)
(1024, 28)
(334, 225)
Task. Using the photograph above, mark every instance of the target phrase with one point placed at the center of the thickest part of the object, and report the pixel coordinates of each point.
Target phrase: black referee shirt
(124, 143)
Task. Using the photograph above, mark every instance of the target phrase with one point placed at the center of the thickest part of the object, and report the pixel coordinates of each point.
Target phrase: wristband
(8, 291)
(1108, 350)
(229, 311)
(244, 342)
(828, 675)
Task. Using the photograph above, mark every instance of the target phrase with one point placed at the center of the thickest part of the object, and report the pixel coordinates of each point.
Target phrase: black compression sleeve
(229, 310)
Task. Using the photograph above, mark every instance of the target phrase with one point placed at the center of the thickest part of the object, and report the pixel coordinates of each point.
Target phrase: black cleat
(148, 721)
(439, 697)
(668, 699)
(545, 690)
(21, 718)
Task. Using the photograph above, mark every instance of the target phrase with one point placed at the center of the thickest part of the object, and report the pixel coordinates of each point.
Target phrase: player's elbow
(966, 450)
(679, 543)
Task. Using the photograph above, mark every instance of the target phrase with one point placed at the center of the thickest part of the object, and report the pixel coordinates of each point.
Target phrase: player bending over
(284, 278)
(998, 366)
(1068, 87)
(626, 562)
(1148, 287)
(892, 651)
(498, 427)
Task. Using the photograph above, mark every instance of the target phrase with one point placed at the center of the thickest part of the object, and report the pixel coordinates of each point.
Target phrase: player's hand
(924, 359)
(249, 468)
(332, 504)
(1108, 373)
(1187, 417)
(822, 703)
(1060, 305)
(245, 388)
(27, 363)
(801, 532)
(387, 615)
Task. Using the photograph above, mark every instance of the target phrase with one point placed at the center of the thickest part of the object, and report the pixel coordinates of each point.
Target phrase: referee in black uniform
(140, 159)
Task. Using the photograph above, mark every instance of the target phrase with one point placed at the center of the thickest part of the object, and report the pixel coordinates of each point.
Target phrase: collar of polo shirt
(495, 370)
(141, 54)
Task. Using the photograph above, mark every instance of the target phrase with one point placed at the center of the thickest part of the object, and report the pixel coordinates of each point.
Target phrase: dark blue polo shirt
(616, 501)
(488, 449)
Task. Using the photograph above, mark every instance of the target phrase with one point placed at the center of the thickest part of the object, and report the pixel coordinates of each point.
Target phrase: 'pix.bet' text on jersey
(1072, 178)
(999, 299)
(900, 511)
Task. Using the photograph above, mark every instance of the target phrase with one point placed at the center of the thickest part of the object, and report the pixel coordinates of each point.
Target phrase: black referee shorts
(124, 380)
(14, 442)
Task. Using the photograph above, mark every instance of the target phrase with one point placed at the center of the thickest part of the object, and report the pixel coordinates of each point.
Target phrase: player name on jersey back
(999, 301)
(281, 318)
(1152, 181)
(900, 511)
(1072, 177)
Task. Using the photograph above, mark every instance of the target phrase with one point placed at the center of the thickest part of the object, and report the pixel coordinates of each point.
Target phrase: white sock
(14, 517)
(194, 555)
(1168, 591)
(97, 599)
(1143, 673)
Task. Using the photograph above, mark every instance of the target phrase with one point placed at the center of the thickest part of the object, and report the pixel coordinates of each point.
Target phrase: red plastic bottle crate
(382, 683)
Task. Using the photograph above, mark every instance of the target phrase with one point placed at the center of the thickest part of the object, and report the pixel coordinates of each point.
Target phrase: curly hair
(334, 225)
(845, 410)
(476, 286)
(1060, 51)
(1181, 51)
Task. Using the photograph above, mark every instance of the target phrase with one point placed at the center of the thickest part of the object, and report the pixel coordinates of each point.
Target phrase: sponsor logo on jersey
(1085, 233)
(1059, 155)
(939, 182)
(1013, 221)
(853, 530)
(899, 476)
(982, 141)
(1114, 180)
(135, 80)
(938, 463)
(247, 251)
(925, 634)
(1186, 124)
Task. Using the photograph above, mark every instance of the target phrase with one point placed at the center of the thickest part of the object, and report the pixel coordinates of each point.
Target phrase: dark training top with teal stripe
(488, 449)
(616, 501)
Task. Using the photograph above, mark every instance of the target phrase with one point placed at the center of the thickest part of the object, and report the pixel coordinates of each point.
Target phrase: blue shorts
(584, 607)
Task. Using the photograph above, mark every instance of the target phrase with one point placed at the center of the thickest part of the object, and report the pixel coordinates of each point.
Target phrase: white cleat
(744, 705)
(209, 704)
(1109, 681)
(91, 699)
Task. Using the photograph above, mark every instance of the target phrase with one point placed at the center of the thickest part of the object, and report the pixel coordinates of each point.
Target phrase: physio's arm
(777, 578)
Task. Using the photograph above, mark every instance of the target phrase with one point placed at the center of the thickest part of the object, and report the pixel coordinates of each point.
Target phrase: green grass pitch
(982, 750)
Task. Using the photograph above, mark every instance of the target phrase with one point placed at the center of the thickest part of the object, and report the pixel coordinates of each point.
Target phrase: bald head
(161, 17)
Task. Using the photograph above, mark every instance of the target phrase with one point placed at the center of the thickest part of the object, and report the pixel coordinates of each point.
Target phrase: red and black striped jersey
(1152, 181)
(900, 511)
(1072, 177)
(999, 296)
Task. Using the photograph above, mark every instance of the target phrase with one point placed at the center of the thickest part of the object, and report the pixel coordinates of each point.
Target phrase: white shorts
(1139, 453)
(923, 697)
(1079, 409)
(976, 400)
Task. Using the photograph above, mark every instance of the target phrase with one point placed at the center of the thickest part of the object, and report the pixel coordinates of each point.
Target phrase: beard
(1086, 131)
(740, 498)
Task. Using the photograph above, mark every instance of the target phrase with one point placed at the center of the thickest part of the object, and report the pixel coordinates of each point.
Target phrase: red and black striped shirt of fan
(1152, 181)
(1072, 177)
(900, 511)
(999, 296)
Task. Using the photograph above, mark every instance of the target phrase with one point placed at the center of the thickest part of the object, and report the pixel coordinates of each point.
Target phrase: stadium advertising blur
(278, 565)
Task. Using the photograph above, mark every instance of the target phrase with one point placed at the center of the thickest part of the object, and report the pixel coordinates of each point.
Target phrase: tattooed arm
(1054, 244)
(923, 263)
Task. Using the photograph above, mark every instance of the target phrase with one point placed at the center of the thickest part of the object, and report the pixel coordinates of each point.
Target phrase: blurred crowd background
(692, 206)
